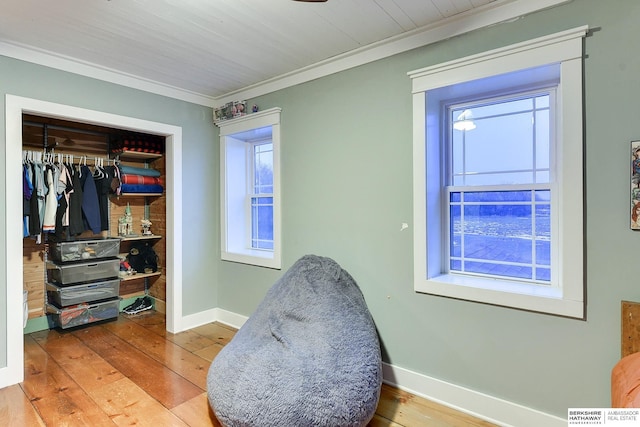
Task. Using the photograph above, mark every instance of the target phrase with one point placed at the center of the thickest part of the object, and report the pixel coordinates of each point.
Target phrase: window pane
(507, 142)
(498, 232)
(262, 222)
(263, 168)
(495, 233)
(543, 274)
(500, 143)
(455, 244)
(542, 139)
(543, 233)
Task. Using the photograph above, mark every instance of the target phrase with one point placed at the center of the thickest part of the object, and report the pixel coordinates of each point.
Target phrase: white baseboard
(213, 315)
(9, 376)
(480, 405)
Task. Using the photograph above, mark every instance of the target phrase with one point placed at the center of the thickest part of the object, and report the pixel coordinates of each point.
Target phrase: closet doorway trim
(13, 372)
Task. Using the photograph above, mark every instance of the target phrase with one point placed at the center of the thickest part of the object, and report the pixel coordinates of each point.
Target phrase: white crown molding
(490, 14)
(87, 69)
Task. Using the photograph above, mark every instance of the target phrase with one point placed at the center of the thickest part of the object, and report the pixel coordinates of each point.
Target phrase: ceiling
(217, 47)
(211, 52)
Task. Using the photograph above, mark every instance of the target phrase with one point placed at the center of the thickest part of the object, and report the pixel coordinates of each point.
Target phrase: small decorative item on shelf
(239, 108)
(125, 223)
(230, 110)
(146, 227)
(125, 269)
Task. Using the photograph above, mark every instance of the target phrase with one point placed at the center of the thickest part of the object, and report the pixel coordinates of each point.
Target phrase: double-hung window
(261, 194)
(498, 186)
(498, 204)
(250, 189)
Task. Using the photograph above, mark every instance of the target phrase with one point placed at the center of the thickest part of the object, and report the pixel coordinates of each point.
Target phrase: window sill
(544, 299)
(253, 257)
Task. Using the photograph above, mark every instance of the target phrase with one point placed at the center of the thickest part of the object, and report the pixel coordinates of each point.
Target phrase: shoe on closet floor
(133, 306)
(139, 305)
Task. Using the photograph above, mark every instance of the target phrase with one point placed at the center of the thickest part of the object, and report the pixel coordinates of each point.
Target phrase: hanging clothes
(76, 225)
(102, 178)
(27, 191)
(34, 208)
(62, 213)
(51, 201)
(90, 204)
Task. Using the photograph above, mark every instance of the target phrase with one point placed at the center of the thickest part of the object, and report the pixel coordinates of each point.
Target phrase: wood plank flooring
(132, 372)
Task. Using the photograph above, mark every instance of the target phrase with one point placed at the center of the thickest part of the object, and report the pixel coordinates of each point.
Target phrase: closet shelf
(137, 155)
(140, 194)
(139, 276)
(140, 237)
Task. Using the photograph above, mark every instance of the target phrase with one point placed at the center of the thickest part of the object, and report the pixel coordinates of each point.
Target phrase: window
(498, 177)
(250, 184)
(261, 198)
(498, 186)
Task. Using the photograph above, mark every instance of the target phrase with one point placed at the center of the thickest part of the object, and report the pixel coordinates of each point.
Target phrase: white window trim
(567, 299)
(247, 255)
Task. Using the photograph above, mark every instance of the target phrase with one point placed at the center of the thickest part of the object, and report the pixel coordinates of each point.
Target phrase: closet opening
(129, 170)
(11, 331)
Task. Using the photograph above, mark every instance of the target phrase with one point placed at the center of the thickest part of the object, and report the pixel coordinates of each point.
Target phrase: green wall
(347, 188)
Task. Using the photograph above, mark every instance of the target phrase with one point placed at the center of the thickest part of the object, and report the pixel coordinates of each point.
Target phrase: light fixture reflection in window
(464, 121)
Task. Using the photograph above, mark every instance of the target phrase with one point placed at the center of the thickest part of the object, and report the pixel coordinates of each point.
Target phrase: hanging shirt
(90, 205)
(103, 180)
(51, 202)
(34, 209)
(76, 225)
(27, 191)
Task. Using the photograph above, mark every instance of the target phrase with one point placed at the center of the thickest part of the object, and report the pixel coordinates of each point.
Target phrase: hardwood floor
(132, 372)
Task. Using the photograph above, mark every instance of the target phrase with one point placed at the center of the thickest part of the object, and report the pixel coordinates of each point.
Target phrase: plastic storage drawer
(83, 314)
(69, 295)
(83, 272)
(84, 249)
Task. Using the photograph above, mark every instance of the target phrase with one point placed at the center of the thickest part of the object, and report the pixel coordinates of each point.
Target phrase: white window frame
(566, 295)
(235, 173)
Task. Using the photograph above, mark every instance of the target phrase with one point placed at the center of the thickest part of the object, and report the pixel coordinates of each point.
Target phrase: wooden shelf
(140, 237)
(140, 195)
(137, 155)
(140, 276)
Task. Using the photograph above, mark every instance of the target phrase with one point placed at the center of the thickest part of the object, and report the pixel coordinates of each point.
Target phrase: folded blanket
(131, 170)
(141, 179)
(139, 188)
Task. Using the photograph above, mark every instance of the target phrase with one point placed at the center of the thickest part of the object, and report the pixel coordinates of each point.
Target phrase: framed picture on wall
(635, 185)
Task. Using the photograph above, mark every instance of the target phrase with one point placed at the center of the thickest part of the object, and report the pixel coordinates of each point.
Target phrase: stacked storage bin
(82, 281)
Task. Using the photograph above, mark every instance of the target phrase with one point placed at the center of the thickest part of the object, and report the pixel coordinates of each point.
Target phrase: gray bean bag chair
(308, 356)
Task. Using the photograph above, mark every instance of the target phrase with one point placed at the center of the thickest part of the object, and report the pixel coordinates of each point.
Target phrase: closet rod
(65, 128)
(77, 159)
